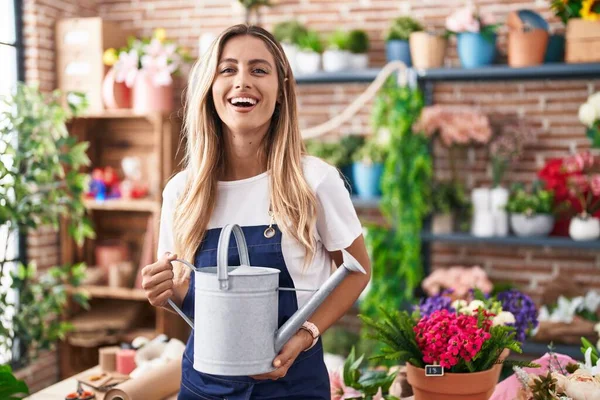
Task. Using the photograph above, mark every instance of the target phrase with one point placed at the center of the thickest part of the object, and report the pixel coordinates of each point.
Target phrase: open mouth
(243, 103)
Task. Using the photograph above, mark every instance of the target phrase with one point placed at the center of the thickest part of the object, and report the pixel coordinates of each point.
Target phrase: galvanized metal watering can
(236, 311)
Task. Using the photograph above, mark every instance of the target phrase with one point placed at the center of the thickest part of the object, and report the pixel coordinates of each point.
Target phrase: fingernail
(168, 253)
(277, 363)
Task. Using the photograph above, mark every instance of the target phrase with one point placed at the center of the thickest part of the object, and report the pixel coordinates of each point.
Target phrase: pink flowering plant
(469, 19)
(584, 181)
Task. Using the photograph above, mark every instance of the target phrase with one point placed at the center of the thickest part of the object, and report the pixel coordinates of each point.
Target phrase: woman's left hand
(288, 354)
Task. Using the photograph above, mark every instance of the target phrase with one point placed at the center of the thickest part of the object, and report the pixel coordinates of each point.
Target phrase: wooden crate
(582, 41)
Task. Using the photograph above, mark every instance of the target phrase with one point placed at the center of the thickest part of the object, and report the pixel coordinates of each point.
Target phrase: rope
(360, 101)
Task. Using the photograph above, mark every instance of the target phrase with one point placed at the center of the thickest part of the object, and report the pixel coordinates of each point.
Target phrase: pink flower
(595, 184)
(378, 395)
(126, 68)
(462, 20)
(339, 391)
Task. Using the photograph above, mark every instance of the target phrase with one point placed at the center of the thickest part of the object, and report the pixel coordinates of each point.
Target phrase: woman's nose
(242, 81)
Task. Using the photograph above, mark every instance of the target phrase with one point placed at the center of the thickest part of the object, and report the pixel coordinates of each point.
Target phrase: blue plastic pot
(555, 52)
(476, 50)
(398, 50)
(367, 178)
(348, 172)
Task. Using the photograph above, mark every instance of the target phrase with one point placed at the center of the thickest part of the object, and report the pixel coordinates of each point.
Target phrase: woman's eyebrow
(251, 62)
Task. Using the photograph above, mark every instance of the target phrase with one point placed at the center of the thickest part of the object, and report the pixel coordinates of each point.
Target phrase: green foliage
(544, 387)
(358, 41)
(311, 41)
(339, 40)
(402, 27)
(368, 382)
(536, 201)
(448, 196)
(593, 134)
(252, 4)
(405, 201)
(337, 340)
(565, 10)
(585, 345)
(350, 144)
(372, 152)
(289, 32)
(331, 152)
(10, 387)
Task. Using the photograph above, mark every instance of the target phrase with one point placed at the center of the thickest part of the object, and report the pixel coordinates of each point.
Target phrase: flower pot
(348, 175)
(527, 48)
(450, 386)
(336, 60)
(115, 94)
(398, 50)
(584, 228)
(483, 218)
(476, 50)
(555, 51)
(367, 178)
(291, 50)
(427, 50)
(359, 61)
(148, 97)
(498, 200)
(442, 223)
(308, 62)
(531, 225)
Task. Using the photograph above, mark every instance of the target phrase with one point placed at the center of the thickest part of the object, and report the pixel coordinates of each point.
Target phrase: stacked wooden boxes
(583, 41)
(80, 44)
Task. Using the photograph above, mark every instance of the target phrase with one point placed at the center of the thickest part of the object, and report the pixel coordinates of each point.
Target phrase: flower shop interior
(467, 135)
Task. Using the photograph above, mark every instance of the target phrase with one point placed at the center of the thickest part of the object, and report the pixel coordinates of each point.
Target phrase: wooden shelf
(551, 241)
(140, 205)
(105, 292)
(122, 113)
(366, 203)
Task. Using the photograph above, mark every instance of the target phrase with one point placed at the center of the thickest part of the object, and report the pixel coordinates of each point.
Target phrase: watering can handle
(172, 303)
(223, 252)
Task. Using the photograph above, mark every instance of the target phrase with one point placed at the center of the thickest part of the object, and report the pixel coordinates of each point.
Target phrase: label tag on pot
(434, 370)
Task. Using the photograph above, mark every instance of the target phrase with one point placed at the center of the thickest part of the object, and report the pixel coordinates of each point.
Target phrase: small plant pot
(348, 173)
(476, 50)
(555, 52)
(584, 228)
(442, 223)
(148, 97)
(531, 225)
(291, 50)
(367, 178)
(398, 50)
(308, 62)
(359, 61)
(526, 49)
(336, 60)
(427, 50)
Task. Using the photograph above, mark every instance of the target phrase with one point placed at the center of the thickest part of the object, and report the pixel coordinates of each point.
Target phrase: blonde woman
(246, 165)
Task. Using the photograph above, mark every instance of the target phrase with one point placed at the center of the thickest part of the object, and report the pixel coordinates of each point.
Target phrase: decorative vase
(148, 97)
(531, 225)
(359, 61)
(398, 50)
(483, 218)
(584, 228)
(427, 50)
(291, 50)
(308, 62)
(336, 60)
(367, 178)
(555, 52)
(442, 223)
(498, 201)
(527, 48)
(476, 50)
(115, 95)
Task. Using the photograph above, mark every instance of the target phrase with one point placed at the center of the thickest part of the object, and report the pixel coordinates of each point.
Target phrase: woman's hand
(288, 354)
(157, 280)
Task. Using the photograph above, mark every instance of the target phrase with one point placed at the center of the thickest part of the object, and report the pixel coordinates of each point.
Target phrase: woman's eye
(226, 70)
(260, 71)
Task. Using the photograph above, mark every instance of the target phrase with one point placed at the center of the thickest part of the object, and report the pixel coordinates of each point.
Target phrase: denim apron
(307, 378)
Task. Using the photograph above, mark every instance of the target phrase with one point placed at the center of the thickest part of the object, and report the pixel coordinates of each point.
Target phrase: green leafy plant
(566, 9)
(536, 201)
(350, 144)
(11, 388)
(339, 40)
(372, 152)
(254, 6)
(402, 27)
(311, 41)
(448, 196)
(331, 152)
(585, 345)
(39, 186)
(289, 32)
(358, 41)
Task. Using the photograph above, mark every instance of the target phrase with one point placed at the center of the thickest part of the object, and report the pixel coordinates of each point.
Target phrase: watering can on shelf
(236, 311)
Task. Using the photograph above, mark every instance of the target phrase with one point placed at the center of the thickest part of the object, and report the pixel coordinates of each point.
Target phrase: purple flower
(523, 308)
(434, 303)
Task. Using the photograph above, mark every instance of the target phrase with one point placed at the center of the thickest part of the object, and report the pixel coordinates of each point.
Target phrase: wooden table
(59, 390)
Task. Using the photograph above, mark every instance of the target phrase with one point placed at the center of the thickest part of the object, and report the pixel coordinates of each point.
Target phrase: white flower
(472, 307)
(594, 100)
(588, 114)
(543, 314)
(503, 318)
(592, 300)
(460, 304)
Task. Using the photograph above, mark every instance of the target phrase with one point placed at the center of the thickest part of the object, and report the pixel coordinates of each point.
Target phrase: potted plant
(308, 57)
(368, 168)
(358, 43)
(583, 31)
(531, 213)
(589, 115)
(146, 66)
(254, 6)
(476, 36)
(328, 151)
(337, 55)
(350, 145)
(448, 200)
(585, 187)
(427, 49)
(40, 186)
(397, 47)
(288, 33)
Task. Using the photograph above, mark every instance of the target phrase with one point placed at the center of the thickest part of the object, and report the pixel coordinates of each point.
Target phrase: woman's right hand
(157, 280)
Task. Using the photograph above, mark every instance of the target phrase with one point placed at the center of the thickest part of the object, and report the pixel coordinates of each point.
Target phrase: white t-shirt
(246, 203)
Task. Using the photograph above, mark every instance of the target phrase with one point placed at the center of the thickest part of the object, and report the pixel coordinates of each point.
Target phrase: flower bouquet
(460, 280)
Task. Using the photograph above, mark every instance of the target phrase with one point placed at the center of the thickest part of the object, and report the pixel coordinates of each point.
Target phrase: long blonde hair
(293, 202)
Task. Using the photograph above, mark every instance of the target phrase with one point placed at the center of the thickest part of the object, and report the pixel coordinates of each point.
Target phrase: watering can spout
(292, 325)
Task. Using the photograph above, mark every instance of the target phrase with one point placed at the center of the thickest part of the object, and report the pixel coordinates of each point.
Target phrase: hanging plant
(406, 188)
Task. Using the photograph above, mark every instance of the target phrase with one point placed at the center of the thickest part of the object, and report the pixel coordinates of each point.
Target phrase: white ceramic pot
(359, 61)
(584, 228)
(336, 60)
(291, 50)
(308, 62)
(531, 225)
(442, 223)
(498, 200)
(483, 224)
(480, 197)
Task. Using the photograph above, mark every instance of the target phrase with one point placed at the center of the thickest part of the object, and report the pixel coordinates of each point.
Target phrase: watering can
(236, 311)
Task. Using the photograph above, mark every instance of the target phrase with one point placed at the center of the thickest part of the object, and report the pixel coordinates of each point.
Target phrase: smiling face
(245, 89)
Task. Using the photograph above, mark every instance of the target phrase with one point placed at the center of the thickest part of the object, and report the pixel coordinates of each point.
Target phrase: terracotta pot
(467, 386)
(427, 50)
(115, 94)
(527, 48)
(148, 97)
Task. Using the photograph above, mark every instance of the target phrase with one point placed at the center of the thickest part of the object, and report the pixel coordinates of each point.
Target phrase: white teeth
(236, 100)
